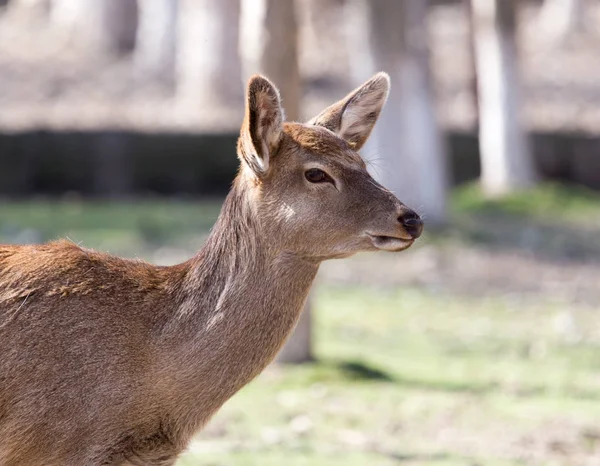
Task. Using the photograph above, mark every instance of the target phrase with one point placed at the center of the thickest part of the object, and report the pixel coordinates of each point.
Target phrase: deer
(112, 361)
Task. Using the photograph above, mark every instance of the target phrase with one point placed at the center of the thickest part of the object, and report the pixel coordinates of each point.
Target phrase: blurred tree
(298, 347)
(107, 26)
(317, 33)
(474, 87)
(506, 161)
(562, 18)
(270, 46)
(410, 157)
(208, 63)
(156, 40)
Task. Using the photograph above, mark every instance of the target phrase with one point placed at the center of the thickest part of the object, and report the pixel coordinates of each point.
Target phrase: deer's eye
(314, 175)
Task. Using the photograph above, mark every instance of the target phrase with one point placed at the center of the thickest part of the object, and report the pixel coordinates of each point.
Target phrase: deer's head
(309, 187)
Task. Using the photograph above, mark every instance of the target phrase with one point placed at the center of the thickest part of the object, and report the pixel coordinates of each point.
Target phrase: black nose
(412, 223)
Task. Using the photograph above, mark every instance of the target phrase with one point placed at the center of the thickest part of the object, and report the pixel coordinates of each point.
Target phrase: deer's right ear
(263, 125)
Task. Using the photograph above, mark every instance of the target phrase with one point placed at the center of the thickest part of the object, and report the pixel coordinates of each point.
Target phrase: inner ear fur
(261, 130)
(354, 117)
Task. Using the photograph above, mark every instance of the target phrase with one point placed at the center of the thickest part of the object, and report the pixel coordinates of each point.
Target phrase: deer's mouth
(390, 243)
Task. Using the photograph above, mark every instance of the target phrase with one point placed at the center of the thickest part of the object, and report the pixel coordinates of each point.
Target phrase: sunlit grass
(120, 227)
(546, 201)
(397, 369)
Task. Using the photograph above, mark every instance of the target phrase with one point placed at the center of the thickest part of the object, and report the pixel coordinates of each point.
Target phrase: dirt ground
(48, 79)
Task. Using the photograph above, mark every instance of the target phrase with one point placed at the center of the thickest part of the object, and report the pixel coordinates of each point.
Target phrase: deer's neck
(239, 301)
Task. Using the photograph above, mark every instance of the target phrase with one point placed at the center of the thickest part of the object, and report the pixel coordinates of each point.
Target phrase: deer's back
(76, 354)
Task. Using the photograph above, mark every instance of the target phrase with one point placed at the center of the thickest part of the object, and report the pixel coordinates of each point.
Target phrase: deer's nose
(412, 223)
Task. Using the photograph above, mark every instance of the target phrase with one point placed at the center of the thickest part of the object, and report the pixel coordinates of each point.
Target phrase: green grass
(553, 221)
(118, 227)
(405, 377)
(546, 201)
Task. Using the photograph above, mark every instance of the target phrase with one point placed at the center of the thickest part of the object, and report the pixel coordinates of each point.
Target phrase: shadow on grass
(355, 370)
(360, 371)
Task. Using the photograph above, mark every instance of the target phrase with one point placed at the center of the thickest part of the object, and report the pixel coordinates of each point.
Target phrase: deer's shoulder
(63, 268)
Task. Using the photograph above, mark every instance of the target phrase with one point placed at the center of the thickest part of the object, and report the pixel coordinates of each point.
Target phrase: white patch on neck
(214, 320)
(286, 211)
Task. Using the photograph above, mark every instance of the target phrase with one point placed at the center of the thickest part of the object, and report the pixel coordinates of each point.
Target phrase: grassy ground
(404, 375)
(137, 228)
(553, 222)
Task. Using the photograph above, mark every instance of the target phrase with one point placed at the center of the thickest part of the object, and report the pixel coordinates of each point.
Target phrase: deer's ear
(353, 117)
(262, 127)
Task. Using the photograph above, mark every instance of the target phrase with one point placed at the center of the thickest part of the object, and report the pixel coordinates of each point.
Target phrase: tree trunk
(156, 40)
(270, 46)
(409, 155)
(473, 84)
(106, 26)
(208, 64)
(320, 42)
(506, 162)
(357, 31)
(298, 347)
(562, 18)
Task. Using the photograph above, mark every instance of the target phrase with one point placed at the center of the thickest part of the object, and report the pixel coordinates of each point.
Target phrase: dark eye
(314, 175)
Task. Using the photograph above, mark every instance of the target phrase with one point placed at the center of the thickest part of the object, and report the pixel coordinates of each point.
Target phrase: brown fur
(108, 361)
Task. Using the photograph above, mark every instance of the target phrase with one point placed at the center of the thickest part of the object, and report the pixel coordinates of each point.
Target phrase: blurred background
(478, 346)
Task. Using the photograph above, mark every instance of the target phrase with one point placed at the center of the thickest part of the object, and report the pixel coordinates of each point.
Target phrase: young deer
(107, 361)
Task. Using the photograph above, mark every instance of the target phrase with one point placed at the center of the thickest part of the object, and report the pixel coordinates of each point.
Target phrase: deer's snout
(412, 223)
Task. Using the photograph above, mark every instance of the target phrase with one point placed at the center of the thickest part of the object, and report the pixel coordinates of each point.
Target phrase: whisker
(375, 165)
(377, 185)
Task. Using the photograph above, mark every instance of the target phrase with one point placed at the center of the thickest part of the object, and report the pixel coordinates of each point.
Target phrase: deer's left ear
(262, 127)
(353, 117)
